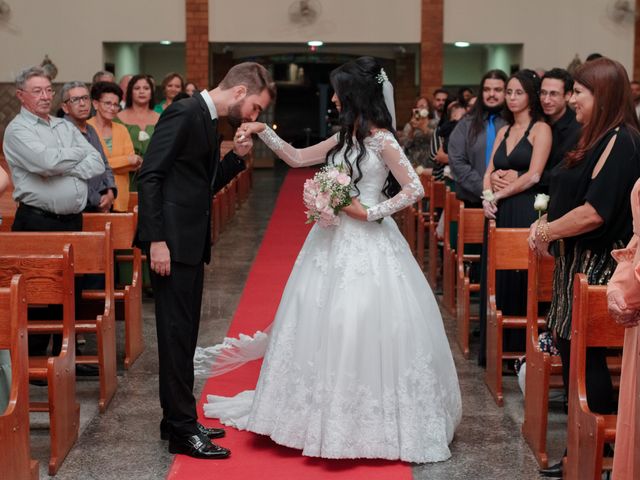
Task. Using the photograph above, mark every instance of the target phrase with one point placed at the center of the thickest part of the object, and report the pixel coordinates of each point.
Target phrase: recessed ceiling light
(165, 42)
(462, 44)
(315, 43)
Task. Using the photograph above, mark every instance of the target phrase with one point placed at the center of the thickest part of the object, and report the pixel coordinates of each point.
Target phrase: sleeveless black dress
(515, 211)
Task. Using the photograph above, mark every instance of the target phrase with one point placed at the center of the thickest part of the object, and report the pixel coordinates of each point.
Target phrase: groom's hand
(160, 258)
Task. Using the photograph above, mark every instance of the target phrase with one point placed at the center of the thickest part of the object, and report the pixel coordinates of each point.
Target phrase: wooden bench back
(591, 324)
(48, 278)
(123, 226)
(437, 197)
(470, 226)
(452, 209)
(508, 248)
(15, 454)
(13, 319)
(92, 250)
(425, 180)
(539, 281)
(133, 201)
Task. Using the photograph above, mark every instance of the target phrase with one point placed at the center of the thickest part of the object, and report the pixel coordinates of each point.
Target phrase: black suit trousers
(178, 298)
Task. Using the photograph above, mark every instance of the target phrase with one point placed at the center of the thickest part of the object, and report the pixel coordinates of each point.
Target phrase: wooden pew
(93, 253)
(216, 209)
(133, 201)
(223, 194)
(232, 191)
(591, 326)
(424, 218)
(436, 206)
(49, 280)
(544, 371)
(449, 253)
(470, 232)
(244, 186)
(15, 449)
(123, 226)
(507, 250)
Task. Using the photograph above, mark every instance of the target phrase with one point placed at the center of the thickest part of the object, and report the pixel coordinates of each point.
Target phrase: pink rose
(333, 173)
(322, 200)
(343, 179)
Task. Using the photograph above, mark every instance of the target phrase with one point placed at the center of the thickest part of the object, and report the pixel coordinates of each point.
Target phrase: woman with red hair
(589, 212)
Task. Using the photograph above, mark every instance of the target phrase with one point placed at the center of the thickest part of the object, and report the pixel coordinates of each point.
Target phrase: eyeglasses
(111, 105)
(552, 94)
(76, 100)
(39, 92)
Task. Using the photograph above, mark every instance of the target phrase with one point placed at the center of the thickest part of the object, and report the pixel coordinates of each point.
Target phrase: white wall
(552, 31)
(72, 31)
(341, 21)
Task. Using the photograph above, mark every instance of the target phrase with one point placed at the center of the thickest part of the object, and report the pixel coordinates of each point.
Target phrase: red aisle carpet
(254, 456)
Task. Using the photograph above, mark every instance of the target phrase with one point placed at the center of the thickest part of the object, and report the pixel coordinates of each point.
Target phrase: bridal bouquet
(326, 194)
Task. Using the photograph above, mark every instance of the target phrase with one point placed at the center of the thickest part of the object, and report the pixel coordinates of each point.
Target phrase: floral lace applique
(390, 152)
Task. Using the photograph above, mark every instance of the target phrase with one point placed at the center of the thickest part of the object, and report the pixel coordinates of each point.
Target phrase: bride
(358, 364)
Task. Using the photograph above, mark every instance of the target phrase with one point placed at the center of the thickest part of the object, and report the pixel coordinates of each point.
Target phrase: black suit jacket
(175, 183)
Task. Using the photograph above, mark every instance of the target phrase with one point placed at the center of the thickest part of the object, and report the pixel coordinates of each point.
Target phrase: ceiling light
(462, 44)
(165, 42)
(315, 43)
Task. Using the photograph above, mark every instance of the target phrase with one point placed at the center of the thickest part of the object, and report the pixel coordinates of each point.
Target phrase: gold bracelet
(542, 231)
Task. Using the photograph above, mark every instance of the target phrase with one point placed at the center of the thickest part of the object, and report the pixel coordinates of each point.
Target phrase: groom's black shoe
(554, 471)
(197, 446)
(209, 432)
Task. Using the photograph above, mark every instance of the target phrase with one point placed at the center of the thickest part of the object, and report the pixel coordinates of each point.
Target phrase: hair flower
(382, 76)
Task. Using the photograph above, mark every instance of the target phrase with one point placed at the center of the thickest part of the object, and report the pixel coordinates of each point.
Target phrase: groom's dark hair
(253, 76)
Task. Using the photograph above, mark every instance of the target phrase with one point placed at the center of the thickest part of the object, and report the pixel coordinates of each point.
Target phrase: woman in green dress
(140, 120)
(138, 116)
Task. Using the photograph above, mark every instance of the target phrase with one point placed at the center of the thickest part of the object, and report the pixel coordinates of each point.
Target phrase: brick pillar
(636, 46)
(431, 46)
(197, 42)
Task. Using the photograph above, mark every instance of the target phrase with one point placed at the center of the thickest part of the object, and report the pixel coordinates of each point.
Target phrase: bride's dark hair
(362, 108)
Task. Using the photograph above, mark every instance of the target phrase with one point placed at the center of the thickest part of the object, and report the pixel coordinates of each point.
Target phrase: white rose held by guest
(541, 203)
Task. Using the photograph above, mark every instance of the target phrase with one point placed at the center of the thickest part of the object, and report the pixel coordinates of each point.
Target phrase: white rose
(143, 136)
(541, 202)
(419, 169)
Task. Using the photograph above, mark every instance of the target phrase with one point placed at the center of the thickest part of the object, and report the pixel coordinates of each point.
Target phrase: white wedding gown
(358, 364)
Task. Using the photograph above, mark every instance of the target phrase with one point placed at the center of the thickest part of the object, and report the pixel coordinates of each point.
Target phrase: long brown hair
(608, 82)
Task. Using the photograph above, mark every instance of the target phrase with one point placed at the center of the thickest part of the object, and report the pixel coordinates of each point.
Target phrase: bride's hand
(356, 210)
(249, 128)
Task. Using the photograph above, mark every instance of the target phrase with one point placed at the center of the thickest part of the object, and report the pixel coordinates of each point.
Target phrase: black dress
(513, 212)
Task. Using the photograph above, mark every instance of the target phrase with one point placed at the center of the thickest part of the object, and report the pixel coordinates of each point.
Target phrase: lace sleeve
(297, 157)
(412, 190)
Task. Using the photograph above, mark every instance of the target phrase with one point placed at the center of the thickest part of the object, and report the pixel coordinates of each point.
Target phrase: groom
(175, 187)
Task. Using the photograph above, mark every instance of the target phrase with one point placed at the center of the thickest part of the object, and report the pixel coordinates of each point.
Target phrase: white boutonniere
(488, 195)
(143, 136)
(541, 203)
(419, 169)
